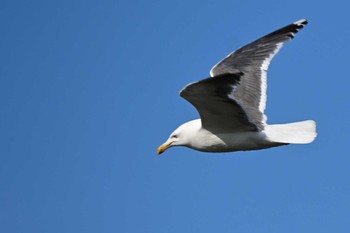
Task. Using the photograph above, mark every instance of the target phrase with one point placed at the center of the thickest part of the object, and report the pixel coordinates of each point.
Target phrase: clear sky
(89, 90)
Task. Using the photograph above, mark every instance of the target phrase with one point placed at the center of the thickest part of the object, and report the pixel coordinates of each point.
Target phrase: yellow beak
(163, 147)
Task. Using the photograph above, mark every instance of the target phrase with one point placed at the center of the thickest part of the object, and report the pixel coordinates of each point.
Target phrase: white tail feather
(298, 132)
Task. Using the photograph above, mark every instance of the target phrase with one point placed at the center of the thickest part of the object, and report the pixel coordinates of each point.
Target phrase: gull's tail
(298, 132)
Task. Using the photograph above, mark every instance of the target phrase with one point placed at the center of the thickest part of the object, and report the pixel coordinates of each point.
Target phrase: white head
(182, 136)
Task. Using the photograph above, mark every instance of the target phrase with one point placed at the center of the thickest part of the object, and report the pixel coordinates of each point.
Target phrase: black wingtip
(301, 22)
(295, 27)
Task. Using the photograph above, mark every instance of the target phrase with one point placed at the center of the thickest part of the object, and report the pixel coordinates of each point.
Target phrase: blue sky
(89, 90)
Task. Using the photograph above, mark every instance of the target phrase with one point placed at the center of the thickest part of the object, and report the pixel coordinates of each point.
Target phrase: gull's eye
(174, 136)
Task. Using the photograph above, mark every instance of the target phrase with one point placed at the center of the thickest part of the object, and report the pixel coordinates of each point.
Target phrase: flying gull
(232, 101)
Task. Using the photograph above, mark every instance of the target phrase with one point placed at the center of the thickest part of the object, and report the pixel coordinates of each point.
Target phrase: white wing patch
(264, 68)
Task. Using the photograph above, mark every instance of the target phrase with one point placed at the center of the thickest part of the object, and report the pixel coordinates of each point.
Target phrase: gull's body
(232, 101)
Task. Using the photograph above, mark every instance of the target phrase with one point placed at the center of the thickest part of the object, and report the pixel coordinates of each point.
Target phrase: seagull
(232, 101)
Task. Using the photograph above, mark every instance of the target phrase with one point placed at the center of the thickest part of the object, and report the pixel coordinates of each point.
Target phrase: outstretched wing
(238, 101)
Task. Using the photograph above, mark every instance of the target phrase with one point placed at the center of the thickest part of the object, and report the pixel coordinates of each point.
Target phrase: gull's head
(181, 136)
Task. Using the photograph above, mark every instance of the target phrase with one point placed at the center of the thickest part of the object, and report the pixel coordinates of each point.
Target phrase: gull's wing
(217, 107)
(241, 106)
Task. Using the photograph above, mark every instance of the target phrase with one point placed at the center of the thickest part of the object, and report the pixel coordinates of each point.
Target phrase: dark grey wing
(253, 61)
(218, 109)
